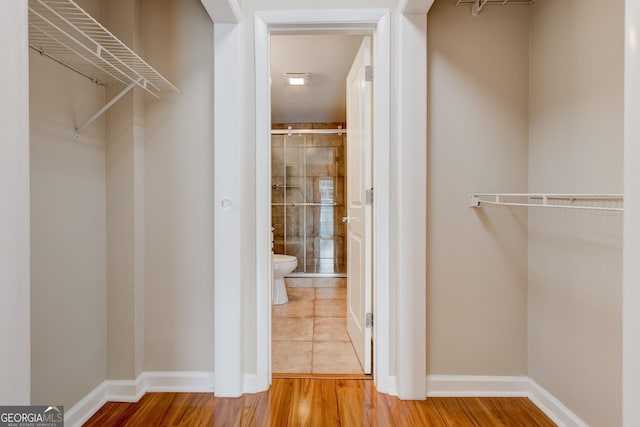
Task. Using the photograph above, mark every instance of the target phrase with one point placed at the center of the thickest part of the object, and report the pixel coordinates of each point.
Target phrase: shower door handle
(346, 219)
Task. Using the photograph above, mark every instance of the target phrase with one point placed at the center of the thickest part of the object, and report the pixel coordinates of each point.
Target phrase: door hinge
(368, 73)
(369, 196)
(369, 320)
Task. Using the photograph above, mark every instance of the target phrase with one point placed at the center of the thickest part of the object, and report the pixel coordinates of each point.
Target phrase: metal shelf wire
(496, 2)
(599, 202)
(63, 31)
(477, 5)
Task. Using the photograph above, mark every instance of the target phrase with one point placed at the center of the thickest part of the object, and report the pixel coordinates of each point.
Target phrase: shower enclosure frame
(303, 188)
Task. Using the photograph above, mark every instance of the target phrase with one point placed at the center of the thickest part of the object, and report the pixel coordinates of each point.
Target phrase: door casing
(241, 349)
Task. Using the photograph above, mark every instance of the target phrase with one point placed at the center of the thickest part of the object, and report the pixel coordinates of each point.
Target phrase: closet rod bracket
(106, 107)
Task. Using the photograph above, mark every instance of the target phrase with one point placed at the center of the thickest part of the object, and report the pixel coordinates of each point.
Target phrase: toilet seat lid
(284, 258)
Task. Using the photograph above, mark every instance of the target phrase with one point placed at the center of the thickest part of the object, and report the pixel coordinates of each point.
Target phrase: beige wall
(575, 258)
(68, 235)
(159, 207)
(492, 87)
(178, 40)
(125, 208)
(477, 259)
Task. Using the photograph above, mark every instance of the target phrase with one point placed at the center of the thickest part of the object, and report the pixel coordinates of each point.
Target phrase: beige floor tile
(331, 293)
(293, 309)
(330, 329)
(292, 329)
(291, 357)
(316, 316)
(330, 282)
(335, 358)
(301, 294)
(331, 308)
(299, 282)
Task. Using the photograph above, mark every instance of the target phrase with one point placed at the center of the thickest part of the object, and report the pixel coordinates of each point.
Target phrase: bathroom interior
(308, 140)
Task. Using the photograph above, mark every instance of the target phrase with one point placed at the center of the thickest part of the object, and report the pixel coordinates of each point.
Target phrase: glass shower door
(306, 202)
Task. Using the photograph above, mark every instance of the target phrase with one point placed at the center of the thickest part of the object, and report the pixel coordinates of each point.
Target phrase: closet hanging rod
(295, 204)
(291, 131)
(477, 199)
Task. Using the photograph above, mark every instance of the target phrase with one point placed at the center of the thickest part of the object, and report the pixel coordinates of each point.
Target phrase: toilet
(282, 265)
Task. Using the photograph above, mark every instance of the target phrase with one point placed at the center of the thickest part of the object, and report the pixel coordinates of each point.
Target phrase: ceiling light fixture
(296, 79)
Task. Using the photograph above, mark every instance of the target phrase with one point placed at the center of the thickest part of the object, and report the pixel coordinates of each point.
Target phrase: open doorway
(309, 207)
(399, 347)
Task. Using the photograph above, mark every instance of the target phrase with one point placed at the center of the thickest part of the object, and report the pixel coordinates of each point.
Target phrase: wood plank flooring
(322, 403)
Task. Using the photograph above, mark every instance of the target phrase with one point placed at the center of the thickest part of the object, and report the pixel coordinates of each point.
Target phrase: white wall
(14, 214)
(68, 235)
(631, 290)
(178, 40)
(575, 258)
(477, 259)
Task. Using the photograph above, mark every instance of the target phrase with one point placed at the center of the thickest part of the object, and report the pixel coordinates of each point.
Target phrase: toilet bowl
(282, 265)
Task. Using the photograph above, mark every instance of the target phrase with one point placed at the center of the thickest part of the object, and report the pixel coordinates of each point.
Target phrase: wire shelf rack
(599, 202)
(478, 5)
(63, 31)
(495, 2)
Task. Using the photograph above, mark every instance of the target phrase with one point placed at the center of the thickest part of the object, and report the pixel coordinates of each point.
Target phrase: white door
(359, 242)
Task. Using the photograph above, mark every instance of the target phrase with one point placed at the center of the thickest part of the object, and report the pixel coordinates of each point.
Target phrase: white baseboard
(477, 386)
(89, 405)
(552, 407)
(503, 386)
(251, 383)
(177, 382)
(124, 390)
(133, 390)
(436, 385)
(387, 385)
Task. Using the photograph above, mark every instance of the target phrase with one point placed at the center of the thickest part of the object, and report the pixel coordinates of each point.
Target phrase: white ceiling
(327, 58)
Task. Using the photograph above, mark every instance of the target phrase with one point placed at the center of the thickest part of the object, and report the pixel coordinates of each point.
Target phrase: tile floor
(309, 333)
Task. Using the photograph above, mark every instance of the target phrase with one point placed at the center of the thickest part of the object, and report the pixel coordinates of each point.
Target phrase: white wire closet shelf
(496, 2)
(477, 5)
(63, 31)
(599, 202)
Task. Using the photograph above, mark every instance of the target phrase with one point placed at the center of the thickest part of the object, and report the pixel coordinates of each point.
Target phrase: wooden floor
(313, 402)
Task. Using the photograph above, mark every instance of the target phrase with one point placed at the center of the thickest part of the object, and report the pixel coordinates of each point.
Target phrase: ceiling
(327, 59)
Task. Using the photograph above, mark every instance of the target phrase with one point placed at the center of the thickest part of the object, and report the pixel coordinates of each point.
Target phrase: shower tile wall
(315, 173)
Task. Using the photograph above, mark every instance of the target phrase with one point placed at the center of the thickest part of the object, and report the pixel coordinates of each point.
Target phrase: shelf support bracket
(106, 107)
(477, 7)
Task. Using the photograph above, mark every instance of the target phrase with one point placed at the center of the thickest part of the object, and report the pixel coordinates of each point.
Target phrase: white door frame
(372, 21)
(399, 207)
